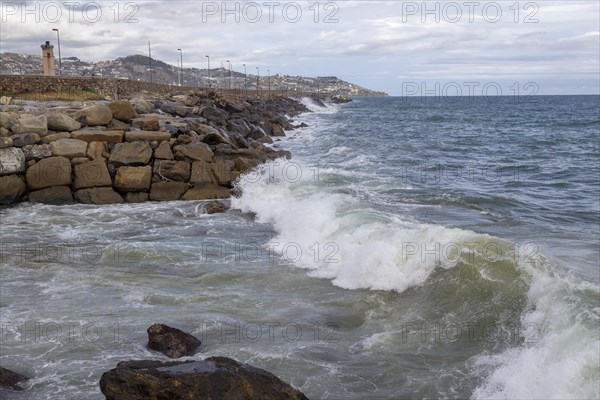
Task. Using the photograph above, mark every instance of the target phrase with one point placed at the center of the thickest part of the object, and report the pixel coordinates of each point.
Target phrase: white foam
(339, 150)
(314, 107)
(561, 354)
(340, 239)
(366, 251)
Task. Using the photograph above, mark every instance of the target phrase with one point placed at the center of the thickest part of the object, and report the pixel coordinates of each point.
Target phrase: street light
(269, 74)
(150, 61)
(245, 78)
(180, 65)
(229, 66)
(257, 80)
(208, 58)
(59, 57)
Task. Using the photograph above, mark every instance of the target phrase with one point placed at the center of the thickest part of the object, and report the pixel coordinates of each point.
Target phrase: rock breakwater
(180, 147)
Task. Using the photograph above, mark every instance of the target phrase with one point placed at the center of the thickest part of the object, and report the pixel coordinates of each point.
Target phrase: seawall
(190, 147)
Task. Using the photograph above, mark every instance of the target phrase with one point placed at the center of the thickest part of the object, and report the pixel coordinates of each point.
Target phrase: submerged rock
(214, 378)
(11, 379)
(213, 207)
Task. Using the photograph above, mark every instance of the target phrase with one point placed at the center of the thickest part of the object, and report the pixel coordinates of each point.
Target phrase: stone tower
(48, 59)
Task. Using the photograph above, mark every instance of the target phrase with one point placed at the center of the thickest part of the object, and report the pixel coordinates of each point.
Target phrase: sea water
(412, 248)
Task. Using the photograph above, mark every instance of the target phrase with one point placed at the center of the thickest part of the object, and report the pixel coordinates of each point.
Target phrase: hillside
(140, 67)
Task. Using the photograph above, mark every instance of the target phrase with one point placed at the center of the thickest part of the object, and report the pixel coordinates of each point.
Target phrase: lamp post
(180, 64)
(150, 61)
(222, 69)
(208, 58)
(229, 67)
(245, 78)
(257, 81)
(59, 57)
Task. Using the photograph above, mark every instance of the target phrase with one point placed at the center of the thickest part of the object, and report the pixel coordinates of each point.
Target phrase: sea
(412, 248)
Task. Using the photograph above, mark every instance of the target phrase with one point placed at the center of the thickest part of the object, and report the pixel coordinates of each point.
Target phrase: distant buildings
(136, 68)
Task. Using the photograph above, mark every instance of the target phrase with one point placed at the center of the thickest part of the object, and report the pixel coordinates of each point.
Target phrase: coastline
(183, 147)
(189, 147)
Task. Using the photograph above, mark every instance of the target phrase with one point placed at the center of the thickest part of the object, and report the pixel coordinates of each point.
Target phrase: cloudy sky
(462, 47)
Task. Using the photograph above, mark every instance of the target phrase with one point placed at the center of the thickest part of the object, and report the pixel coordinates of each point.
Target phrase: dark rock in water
(340, 99)
(318, 101)
(11, 379)
(214, 378)
(214, 207)
(172, 342)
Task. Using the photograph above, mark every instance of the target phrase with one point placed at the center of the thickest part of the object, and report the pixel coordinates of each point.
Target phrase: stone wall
(108, 87)
(185, 147)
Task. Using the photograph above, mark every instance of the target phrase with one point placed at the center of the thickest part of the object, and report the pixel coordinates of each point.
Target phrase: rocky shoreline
(179, 147)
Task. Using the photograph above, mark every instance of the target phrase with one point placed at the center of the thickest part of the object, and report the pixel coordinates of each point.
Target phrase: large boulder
(51, 171)
(5, 141)
(12, 161)
(61, 122)
(215, 115)
(136, 197)
(133, 179)
(172, 342)
(91, 174)
(163, 151)
(167, 191)
(175, 108)
(205, 191)
(90, 135)
(70, 148)
(37, 151)
(133, 154)
(98, 196)
(174, 126)
(168, 170)
(202, 172)
(11, 379)
(96, 115)
(55, 136)
(31, 124)
(222, 172)
(117, 125)
(12, 189)
(202, 129)
(122, 110)
(214, 378)
(97, 150)
(149, 136)
(142, 106)
(7, 120)
(55, 195)
(146, 123)
(193, 152)
(25, 139)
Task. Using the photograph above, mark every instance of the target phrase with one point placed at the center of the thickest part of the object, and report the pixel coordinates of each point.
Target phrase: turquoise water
(412, 248)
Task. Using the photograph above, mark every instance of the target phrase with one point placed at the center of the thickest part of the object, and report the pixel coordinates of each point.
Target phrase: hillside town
(144, 68)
